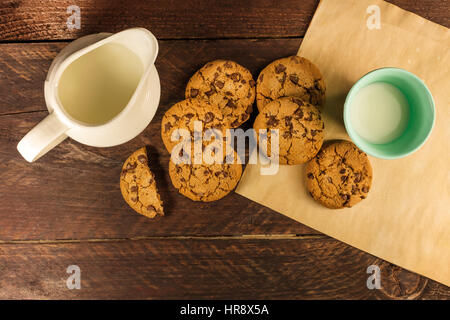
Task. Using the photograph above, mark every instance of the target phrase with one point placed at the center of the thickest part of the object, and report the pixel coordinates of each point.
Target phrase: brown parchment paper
(406, 216)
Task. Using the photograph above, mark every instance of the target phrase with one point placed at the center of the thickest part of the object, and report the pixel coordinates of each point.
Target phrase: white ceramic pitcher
(126, 125)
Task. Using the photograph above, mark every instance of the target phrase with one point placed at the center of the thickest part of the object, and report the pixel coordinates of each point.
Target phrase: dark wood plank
(23, 67)
(38, 202)
(199, 269)
(73, 191)
(175, 19)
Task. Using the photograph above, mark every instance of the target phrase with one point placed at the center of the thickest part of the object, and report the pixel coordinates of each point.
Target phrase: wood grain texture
(175, 19)
(73, 191)
(24, 66)
(194, 269)
(67, 209)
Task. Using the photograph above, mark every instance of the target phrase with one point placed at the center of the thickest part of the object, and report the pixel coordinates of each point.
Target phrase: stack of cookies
(289, 94)
(220, 95)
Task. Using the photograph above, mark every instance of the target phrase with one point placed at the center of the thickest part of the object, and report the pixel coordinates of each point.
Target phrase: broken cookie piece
(138, 185)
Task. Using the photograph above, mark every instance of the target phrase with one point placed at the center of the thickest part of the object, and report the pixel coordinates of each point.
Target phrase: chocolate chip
(288, 121)
(142, 159)
(310, 176)
(272, 121)
(313, 132)
(344, 178)
(236, 76)
(134, 199)
(219, 84)
(342, 171)
(150, 181)
(283, 79)
(231, 104)
(310, 118)
(357, 177)
(228, 93)
(222, 174)
(330, 180)
(243, 81)
(189, 115)
(249, 109)
(354, 189)
(167, 126)
(235, 123)
(298, 113)
(362, 197)
(298, 101)
(209, 116)
(293, 78)
(303, 134)
(280, 68)
(210, 92)
(134, 188)
(151, 208)
(194, 93)
(345, 196)
(287, 134)
(228, 65)
(131, 165)
(252, 82)
(124, 173)
(178, 168)
(365, 189)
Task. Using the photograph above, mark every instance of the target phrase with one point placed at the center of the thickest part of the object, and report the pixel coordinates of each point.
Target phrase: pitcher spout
(141, 41)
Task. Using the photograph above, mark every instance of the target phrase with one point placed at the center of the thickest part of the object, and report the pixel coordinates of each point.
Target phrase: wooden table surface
(66, 208)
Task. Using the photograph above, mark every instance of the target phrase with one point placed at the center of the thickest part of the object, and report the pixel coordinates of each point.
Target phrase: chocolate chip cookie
(227, 85)
(183, 114)
(138, 186)
(300, 128)
(339, 176)
(205, 182)
(292, 76)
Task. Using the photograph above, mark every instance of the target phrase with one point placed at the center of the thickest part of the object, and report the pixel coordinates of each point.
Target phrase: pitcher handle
(42, 138)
